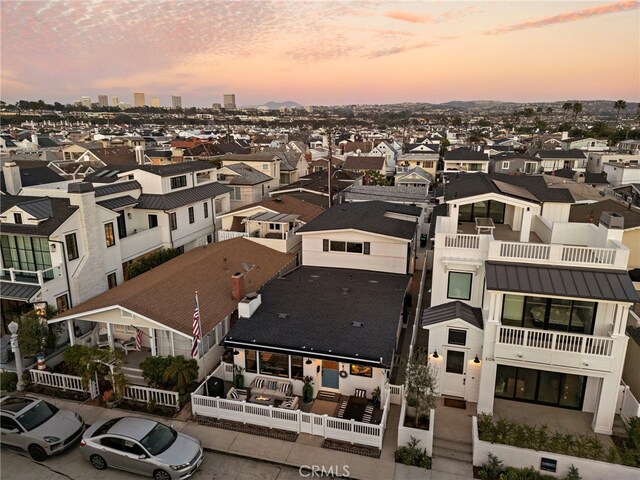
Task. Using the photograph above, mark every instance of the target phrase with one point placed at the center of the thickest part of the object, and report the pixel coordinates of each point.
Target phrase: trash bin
(423, 241)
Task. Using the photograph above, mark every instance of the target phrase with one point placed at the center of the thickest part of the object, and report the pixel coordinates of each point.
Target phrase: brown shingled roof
(166, 294)
(287, 204)
(591, 212)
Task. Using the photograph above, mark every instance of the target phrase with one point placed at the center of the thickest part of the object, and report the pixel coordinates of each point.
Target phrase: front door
(454, 374)
(330, 377)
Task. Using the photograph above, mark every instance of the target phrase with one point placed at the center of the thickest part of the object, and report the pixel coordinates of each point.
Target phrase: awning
(614, 285)
(18, 291)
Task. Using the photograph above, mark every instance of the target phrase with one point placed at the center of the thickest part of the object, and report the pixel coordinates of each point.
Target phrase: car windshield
(159, 439)
(37, 415)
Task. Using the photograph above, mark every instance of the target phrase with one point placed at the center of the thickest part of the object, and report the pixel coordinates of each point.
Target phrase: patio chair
(343, 407)
(368, 413)
(103, 338)
(360, 392)
(127, 345)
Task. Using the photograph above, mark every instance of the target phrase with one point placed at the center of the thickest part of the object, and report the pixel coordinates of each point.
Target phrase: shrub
(573, 473)
(8, 381)
(151, 261)
(75, 358)
(153, 369)
(492, 469)
(413, 455)
(631, 447)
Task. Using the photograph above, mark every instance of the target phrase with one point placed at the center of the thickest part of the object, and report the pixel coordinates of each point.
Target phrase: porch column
(525, 225)
(606, 409)
(173, 347)
(488, 369)
(72, 337)
(453, 215)
(620, 319)
(152, 339)
(110, 336)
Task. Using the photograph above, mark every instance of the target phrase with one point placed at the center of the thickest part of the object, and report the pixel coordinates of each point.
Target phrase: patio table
(355, 408)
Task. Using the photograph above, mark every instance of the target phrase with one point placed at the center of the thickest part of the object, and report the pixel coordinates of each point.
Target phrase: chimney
(307, 156)
(12, 179)
(565, 135)
(34, 139)
(139, 155)
(237, 286)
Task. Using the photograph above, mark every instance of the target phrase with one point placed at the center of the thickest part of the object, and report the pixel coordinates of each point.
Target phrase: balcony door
(455, 372)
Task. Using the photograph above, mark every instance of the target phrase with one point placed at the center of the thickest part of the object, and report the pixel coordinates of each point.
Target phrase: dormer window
(178, 182)
(17, 218)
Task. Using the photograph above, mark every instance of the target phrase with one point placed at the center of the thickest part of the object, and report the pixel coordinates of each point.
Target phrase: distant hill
(276, 105)
(459, 104)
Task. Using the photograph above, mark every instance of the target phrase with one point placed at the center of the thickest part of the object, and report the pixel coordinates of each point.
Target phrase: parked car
(143, 446)
(38, 426)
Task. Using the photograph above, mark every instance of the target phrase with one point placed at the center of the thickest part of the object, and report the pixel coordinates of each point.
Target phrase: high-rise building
(115, 101)
(216, 106)
(86, 101)
(138, 99)
(155, 102)
(230, 101)
(103, 100)
(176, 101)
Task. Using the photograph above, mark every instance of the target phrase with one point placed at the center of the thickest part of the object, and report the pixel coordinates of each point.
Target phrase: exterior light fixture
(308, 362)
(435, 354)
(476, 360)
(236, 352)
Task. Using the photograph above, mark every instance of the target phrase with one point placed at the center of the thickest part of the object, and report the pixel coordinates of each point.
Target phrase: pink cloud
(395, 50)
(409, 17)
(569, 16)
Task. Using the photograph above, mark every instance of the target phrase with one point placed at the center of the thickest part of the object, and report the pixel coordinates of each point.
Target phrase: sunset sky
(320, 52)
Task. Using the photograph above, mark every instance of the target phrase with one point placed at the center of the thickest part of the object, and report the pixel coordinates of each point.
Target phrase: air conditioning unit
(612, 220)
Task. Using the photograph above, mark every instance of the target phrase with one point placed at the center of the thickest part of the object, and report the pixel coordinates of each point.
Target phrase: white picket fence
(628, 406)
(147, 395)
(63, 382)
(291, 420)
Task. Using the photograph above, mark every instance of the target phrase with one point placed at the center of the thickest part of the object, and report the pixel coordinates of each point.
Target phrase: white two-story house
(526, 306)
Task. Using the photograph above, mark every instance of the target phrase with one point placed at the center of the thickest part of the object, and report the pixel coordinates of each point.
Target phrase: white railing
(291, 420)
(557, 254)
(30, 277)
(558, 341)
(228, 235)
(630, 407)
(140, 242)
(63, 382)
(453, 240)
(396, 393)
(147, 394)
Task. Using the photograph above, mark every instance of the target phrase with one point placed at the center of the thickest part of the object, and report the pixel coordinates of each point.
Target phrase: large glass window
(251, 361)
(173, 221)
(177, 182)
(455, 362)
(296, 367)
(276, 364)
(153, 220)
(192, 215)
(490, 208)
(72, 246)
(338, 246)
(526, 384)
(459, 285)
(457, 337)
(109, 234)
(563, 315)
(26, 253)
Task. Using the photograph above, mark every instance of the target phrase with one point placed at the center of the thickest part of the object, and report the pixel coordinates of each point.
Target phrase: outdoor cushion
(272, 385)
(234, 395)
(259, 382)
(284, 387)
(287, 404)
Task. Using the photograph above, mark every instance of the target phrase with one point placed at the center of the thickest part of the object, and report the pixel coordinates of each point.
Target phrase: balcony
(140, 242)
(30, 277)
(586, 352)
(229, 234)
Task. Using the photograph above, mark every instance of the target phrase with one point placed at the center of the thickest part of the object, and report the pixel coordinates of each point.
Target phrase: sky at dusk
(320, 52)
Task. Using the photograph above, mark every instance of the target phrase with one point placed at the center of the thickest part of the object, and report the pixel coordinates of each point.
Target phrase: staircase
(452, 457)
(327, 395)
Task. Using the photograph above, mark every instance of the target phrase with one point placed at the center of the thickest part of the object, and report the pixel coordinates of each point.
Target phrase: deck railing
(63, 382)
(559, 341)
(147, 394)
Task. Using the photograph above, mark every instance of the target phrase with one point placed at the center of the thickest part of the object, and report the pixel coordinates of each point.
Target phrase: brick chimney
(237, 286)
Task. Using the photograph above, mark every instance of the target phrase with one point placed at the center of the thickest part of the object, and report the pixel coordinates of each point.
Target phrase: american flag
(196, 329)
(138, 339)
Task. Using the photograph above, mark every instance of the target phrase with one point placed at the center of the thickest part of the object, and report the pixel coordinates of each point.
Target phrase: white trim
(323, 232)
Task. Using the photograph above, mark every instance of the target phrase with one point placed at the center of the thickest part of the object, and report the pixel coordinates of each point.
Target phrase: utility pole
(329, 167)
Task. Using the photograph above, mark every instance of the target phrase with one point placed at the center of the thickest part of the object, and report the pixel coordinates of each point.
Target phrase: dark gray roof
(38, 209)
(33, 172)
(116, 187)
(110, 173)
(573, 153)
(593, 284)
(247, 175)
(451, 311)
(118, 202)
(367, 217)
(312, 309)
(177, 199)
(18, 291)
(61, 210)
(464, 154)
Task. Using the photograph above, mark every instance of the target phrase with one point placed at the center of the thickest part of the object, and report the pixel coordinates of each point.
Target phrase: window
(153, 220)
(235, 193)
(296, 367)
(122, 226)
(26, 253)
(367, 248)
(109, 234)
(72, 246)
(112, 280)
(349, 247)
(274, 226)
(353, 247)
(325, 245)
(17, 218)
(62, 303)
(505, 165)
(250, 361)
(457, 337)
(361, 370)
(205, 209)
(124, 328)
(276, 364)
(7, 423)
(173, 221)
(180, 249)
(459, 285)
(192, 215)
(178, 182)
(455, 362)
(338, 246)
(209, 239)
(265, 166)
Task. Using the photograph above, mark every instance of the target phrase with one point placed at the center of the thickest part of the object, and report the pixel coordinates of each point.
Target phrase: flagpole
(206, 383)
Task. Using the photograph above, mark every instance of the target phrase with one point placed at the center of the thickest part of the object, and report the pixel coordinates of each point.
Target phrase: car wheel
(161, 475)
(98, 462)
(37, 453)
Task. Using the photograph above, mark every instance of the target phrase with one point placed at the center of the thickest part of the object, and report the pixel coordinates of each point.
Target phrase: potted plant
(109, 398)
(307, 389)
(238, 377)
(375, 396)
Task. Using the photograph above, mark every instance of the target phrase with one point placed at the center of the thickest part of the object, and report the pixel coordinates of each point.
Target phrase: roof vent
(283, 315)
(612, 220)
(345, 291)
(357, 324)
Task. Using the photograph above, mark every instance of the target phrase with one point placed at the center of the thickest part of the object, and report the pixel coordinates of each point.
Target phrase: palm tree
(619, 105)
(566, 106)
(577, 109)
(181, 373)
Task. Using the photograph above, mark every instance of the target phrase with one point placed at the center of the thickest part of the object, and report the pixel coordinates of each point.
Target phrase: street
(71, 465)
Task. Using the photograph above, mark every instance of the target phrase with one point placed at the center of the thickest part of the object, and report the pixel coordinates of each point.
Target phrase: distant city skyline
(321, 53)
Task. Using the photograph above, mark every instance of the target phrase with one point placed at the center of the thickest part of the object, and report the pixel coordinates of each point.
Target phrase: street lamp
(15, 348)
